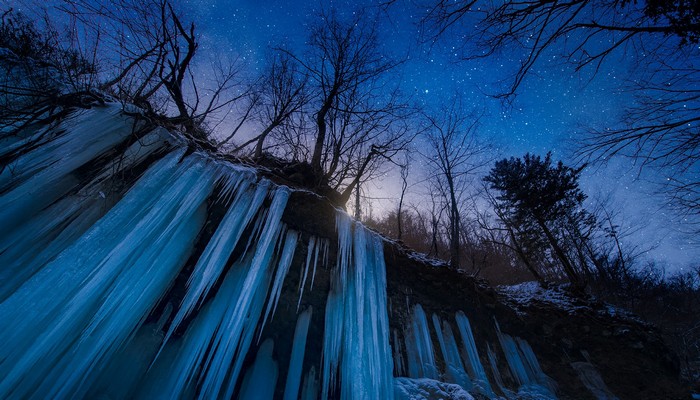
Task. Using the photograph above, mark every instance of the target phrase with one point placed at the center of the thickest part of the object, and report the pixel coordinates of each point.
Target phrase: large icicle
(237, 332)
(24, 250)
(310, 389)
(290, 244)
(454, 369)
(218, 339)
(40, 177)
(493, 362)
(296, 360)
(316, 246)
(419, 347)
(105, 296)
(309, 255)
(245, 205)
(399, 366)
(356, 336)
(74, 265)
(479, 377)
(524, 366)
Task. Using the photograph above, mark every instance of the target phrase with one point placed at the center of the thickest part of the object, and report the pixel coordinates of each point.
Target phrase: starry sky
(552, 105)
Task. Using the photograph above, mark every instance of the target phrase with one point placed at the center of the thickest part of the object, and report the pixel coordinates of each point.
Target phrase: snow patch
(428, 389)
(530, 293)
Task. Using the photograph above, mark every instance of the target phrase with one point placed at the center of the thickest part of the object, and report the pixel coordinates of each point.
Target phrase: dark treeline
(537, 228)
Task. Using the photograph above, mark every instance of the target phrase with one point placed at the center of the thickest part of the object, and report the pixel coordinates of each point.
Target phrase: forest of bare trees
(335, 105)
(656, 39)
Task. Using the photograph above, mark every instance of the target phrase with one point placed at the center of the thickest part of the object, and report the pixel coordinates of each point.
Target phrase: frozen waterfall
(134, 266)
(91, 260)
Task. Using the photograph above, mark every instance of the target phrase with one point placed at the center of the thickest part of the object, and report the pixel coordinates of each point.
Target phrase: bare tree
(657, 38)
(404, 186)
(356, 113)
(147, 54)
(455, 154)
(281, 95)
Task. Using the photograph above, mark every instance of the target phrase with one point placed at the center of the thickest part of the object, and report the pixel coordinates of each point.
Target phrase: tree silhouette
(358, 112)
(454, 153)
(656, 38)
(541, 202)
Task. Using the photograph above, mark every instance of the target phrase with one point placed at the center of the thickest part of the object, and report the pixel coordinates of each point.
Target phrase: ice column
(310, 389)
(296, 361)
(40, 177)
(477, 371)
(244, 206)
(454, 369)
(45, 232)
(217, 341)
(260, 380)
(419, 347)
(524, 366)
(94, 301)
(356, 338)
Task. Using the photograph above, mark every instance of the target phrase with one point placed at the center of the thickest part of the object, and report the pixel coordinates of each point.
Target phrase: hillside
(139, 264)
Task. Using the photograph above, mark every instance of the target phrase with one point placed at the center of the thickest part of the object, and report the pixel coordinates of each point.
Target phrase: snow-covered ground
(528, 294)
(428, 389)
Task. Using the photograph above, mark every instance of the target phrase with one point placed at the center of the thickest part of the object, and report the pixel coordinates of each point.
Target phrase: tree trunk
(321, 125)
(454, 226)
(358, 212)
(521, 253)
(574, 277)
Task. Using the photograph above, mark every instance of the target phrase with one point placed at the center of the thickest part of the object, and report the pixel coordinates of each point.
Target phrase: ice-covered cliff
(135, 265)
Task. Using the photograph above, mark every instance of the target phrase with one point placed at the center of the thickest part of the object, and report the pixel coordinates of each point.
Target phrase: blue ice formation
(116, 281)
(89, 259)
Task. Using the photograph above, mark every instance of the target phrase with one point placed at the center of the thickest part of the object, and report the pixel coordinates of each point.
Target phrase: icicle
(356, 336)
(24, 250)
(419, 347)
(454, 369)
(179, 368)
(310, 389)
(515, 362)
(316, 246)
(108, 296)
(244, 206)
(40, 177)
(479, 377)
(325, 244)
(399, 365)
(290, 244)
(591, 379)
(496, 372)
(296, 360)
(302, 282)
(218, 339)
(524, 366)
(74, 265)
(534, 369)
(320, 244)
(261, 379)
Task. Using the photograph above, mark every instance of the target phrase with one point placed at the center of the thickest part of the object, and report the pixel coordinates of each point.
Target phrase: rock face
(589, 350)
(138, 266)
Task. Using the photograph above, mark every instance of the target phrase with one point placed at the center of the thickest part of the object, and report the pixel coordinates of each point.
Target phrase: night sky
(548, 114)
(552, 105)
